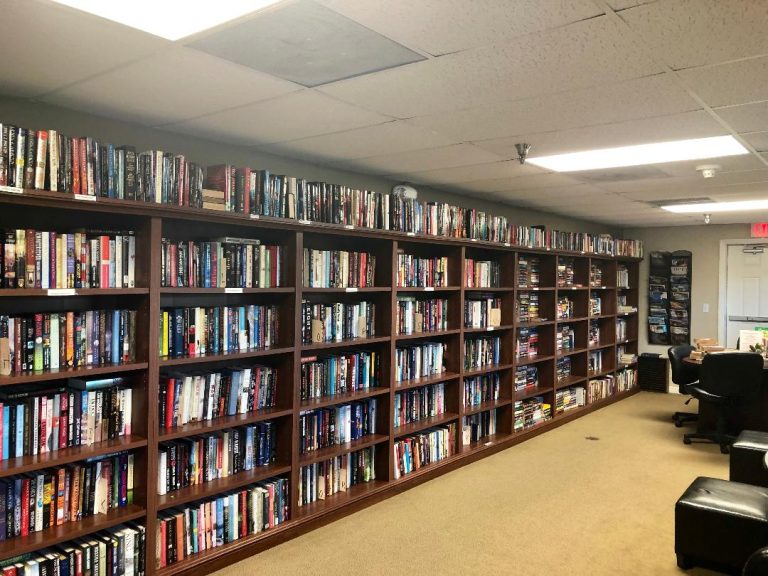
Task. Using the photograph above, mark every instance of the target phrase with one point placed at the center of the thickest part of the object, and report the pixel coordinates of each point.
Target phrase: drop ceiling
(437, 92)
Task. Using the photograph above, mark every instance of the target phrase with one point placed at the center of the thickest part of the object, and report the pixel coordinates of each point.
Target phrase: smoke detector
(708, 170)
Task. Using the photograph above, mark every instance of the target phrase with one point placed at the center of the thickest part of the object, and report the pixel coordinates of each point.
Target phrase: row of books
(565, 339)
(221, 263)
(626, 379)
(527, 306)
(565, 272)
(421, 272)
(624, 356)
(419, 361)
(563, 368)
(600, 388)
(481, 389)
(622, 332)
(192, 529)
(321, 480)
(593, 333)
(119, 551)
(528, 271)
(52, 497)
(623, 305)
(326, 427)
(526, 377)
(481, 352)
(49, 341)
(482, 312)
(327, 376)
(337, 321)
(414, 452)
(81, 259)
(338, 269)
(46, 159)
(415, 315)
(595, 305)
(418, 404)
(217, 330)
(530, 413)
(595, 275)
(185, 398)
(36, 421)
(570, 398)
(595, 362)
(622, 276)
(482, 273)
(194, 461)
(527, 342)
(477, 426)
(565, 308)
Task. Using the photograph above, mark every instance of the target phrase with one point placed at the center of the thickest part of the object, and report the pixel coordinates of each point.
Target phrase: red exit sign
(760, 230)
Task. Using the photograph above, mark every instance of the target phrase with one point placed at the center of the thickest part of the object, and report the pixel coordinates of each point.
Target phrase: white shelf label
(349, 227)
(491, 328)
(473, 239)
(507, 244)
(61, 292)
(429, 289)
(535, 288)
(254, 216)
(410, 234)
(85, 197)
(350, 290)
(11, 190)
(305, 222)
(488, 444)
(233, 290)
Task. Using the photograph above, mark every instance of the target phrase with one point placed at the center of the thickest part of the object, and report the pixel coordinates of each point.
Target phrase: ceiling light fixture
(657, 153)
(170, 19)
(708, 207)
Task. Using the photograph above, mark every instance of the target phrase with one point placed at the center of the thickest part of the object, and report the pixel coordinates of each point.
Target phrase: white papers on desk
(749, 338)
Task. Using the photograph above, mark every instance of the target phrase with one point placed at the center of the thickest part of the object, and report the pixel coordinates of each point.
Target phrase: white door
(746, 289)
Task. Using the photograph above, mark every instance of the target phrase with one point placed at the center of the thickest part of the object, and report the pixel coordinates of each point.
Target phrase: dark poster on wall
(658, 298)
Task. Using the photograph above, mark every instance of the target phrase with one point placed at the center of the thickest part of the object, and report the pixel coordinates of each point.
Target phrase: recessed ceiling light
(736, 206)
(639, 155)
(171, 19)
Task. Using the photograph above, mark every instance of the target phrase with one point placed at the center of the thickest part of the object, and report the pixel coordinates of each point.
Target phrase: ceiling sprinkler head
(522, 151)
(707, 218)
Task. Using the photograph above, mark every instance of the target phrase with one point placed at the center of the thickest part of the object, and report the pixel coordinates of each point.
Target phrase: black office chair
(683, 375)
(726, 380)
(757, 564)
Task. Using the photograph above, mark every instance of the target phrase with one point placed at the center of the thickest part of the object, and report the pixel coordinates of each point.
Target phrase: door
(746, 289)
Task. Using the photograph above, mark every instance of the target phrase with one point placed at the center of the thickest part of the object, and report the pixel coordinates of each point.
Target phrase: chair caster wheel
(683, 562)
(686, 440)
(678, 424)
(725, 449)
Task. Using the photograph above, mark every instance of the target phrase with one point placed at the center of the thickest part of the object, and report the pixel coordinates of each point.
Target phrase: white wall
(704, 243)
(207, 152)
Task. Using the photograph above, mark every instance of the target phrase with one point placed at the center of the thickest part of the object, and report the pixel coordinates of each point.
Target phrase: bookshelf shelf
(426, 381)
(343, 398)
(152, 222)
(344, 343)
(419, 425)
(206, 489)
(225, 357)
(64, 293)
(65, 373)
(69, 531)
(24, 464)
(206, 426)
(340, 449)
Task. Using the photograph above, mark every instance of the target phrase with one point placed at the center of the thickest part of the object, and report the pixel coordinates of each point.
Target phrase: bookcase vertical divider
(295, 377)
(153, 263)
(393, 332)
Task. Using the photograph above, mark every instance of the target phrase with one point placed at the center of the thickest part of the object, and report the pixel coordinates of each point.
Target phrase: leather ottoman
(719, 524)
(747, 458)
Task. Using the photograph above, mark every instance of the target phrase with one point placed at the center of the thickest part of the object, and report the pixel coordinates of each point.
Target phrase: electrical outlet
(705, 308)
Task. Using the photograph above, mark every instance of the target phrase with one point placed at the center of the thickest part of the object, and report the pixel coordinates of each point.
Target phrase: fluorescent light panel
(707, 207)
(658, 153)
(171, 19)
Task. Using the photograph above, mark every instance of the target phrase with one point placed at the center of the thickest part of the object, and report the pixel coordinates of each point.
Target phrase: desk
(750, 416)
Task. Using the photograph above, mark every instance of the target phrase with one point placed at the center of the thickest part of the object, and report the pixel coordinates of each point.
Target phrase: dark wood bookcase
(44, 210)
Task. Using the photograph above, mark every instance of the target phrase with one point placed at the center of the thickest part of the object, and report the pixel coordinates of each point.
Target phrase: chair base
(684, 562)
(724, 440)
(681, 418)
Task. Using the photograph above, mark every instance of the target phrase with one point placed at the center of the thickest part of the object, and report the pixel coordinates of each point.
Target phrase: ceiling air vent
(620, 174)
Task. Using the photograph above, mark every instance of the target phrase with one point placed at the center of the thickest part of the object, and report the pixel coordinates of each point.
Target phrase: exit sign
(760, 230)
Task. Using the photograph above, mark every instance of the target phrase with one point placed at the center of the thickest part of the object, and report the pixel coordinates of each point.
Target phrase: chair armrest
(757, 563)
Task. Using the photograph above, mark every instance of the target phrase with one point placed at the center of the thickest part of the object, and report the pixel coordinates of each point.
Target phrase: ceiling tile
(745, 162)
(638, 98)
(697, 124)
(421, 160)
(388, 138)
(624, 4)
(726, 84)
(306, 43)
(458, 174)
(444, 26)
(47, 46)
(296, 115)
(759, 140)
(177, 92)
(746, 118)
(583, 54)
(686, 33)
(521, 183)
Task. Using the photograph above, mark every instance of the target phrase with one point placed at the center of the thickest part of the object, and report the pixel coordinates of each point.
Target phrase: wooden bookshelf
(152, 222)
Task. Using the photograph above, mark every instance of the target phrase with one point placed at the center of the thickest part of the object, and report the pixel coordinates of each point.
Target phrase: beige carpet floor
(560, 504)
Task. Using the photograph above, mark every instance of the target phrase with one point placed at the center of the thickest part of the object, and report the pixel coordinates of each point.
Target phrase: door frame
(722, 313)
